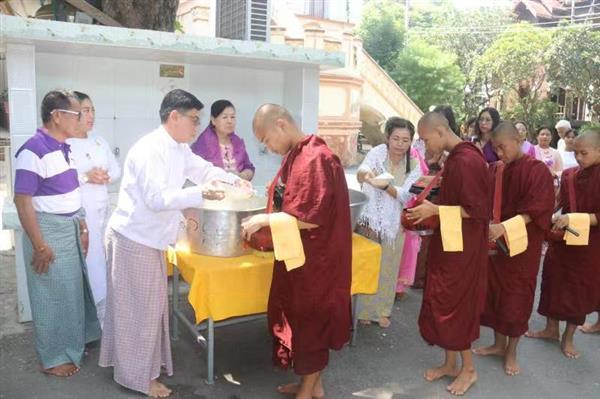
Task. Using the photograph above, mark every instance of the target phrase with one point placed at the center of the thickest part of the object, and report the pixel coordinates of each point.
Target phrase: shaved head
(434, 120)
(587, 148)
(267, 114)
(436, 133)
(590, 137)
(275, 128)
(506, 129)
(507, 141)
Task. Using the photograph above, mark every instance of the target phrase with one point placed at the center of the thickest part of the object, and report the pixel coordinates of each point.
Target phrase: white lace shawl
(382, 212)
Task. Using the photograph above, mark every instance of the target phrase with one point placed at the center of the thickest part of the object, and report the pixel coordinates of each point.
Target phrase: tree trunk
(143, 14)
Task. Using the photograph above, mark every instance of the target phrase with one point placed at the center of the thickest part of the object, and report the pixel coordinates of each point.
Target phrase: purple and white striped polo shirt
(44, 172)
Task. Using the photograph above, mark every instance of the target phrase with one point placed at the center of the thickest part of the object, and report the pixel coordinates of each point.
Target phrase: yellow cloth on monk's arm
(580, 222)
(516, 235)
(451, 228)
(287, 244)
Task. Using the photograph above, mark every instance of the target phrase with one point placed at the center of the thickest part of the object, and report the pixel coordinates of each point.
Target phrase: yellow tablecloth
(221, 288)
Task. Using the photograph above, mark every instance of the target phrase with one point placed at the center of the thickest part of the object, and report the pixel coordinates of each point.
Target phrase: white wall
(127, 96)
(247, 90)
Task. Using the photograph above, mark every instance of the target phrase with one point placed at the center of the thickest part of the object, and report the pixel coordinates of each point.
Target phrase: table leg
(175, 304)
(210, 352)
(354, 320)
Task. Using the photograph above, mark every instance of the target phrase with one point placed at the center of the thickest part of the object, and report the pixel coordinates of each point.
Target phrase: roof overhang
(104, 41)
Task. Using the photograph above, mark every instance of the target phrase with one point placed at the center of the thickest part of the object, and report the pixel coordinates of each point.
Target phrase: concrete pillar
(20, 71)
(339, 114)
(301, 97)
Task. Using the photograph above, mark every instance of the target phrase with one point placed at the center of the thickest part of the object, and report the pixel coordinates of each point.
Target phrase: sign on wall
(172, 71)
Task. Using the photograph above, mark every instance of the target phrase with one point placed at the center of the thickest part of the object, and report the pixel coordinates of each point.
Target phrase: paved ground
(386, 364)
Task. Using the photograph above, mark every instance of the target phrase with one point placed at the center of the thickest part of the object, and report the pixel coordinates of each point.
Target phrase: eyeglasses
(67, 111)
(88, 110)
(195, 119)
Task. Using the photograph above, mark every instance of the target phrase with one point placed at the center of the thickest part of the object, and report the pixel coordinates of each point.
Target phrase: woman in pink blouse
(547, 154)
(219, 144)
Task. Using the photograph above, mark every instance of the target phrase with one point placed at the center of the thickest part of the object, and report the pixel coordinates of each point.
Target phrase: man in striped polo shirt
(49, 206)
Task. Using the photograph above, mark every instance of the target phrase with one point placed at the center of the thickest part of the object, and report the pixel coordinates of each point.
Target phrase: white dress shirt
(151, 194)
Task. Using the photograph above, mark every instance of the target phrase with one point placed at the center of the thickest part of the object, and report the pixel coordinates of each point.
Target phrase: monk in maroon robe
(571, 274)
(527, 191)
(456, 281)
(309, 307)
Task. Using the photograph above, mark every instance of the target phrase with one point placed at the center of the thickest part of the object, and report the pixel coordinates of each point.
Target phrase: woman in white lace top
(381, 215)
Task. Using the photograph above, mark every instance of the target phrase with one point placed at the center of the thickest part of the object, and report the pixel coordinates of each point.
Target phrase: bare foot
(544, 334)
(491, 350)
(294, 388)
(590, 328)
(384, 322)
(462, 383)
(158, 390)
(511, 366)
(569, 350)
(365, 322)
(63, 370)
(436, 373)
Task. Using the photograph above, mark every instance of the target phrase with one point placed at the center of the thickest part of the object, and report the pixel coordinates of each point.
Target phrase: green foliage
(382, 31)
(542, 114)
(517, 57)
(588, 126)
(429, 14)
(515, 65)
(467, 34)
(574, 62)
(179, 27)
(466, 57)
(429, 75)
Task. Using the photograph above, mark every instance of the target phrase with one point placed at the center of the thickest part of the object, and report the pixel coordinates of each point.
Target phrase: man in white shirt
(135, 338)
(562, 127)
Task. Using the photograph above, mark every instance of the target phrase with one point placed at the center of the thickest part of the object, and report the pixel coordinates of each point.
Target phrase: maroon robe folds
(527, 188)
(571, 275)
(309, 307)
(456, 281)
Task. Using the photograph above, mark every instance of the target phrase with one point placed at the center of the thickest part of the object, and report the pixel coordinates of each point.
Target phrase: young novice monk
(526, 190)
(456, 275)
(571, 274)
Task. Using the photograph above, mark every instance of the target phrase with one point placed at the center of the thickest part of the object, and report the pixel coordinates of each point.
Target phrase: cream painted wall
(127, 96)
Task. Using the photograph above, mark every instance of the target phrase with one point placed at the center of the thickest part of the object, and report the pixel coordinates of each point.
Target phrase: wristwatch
(85, 179)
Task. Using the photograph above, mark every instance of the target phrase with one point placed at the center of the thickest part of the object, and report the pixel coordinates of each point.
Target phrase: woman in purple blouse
(487, 121)
(219, 144)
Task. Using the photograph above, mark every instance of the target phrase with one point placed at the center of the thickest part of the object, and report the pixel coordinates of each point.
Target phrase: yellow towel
(516, 235)
(580, 222)
(287, 244)
(451, 228)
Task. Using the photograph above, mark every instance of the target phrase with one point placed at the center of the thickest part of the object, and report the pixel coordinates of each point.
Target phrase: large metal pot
(358, 200)
(215, 229)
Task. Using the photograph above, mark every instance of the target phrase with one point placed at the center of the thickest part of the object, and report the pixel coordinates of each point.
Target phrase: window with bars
(316, 8)
(243, 20)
